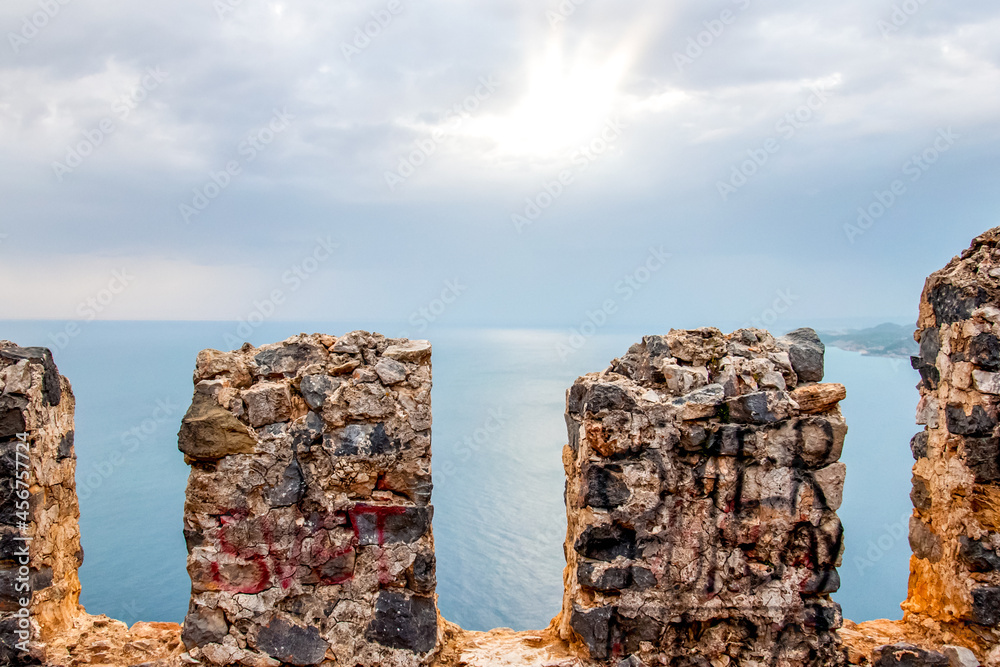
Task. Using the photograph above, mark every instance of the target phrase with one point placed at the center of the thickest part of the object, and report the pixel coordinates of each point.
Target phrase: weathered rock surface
(308, 513)
(99, 641)
(701, 499)
(955, 531)
(39, 531)
(702, 487)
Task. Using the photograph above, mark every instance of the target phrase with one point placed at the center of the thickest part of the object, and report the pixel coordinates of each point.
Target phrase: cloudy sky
(503, 163)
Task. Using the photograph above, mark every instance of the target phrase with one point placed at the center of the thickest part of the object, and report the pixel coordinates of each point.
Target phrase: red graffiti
(380, 513)
(245, 538)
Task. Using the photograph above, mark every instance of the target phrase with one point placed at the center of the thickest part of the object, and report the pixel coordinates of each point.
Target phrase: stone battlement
(702, 487)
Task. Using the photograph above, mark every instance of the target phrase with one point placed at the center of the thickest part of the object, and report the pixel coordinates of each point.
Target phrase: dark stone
(806, 352)
(605, 488)
(422, 576)
(10, 597)
(930, 346)
(824, 616)
(926, 363)
(65, 450)
(41, 579)
(924, 542)
(930, 376)
(204, 626)
(986, 605)
(608, 397)
(51, 388)
(407, 622)
(982, 455)
(750, 409)
(908, 655)
(12, 416)
(978, 424)
(822, 583)
(193, 539)
(381, 443)
(606, 543)
(293, 644)
(633, 631)
(290, 489)
(8, 461)
(920, 494)
(210, 432)
(9, 542)
(307, 433)
(642, 578)
(612, 579)
(594, 627)
(362, 440)
(9, 639)
(984, 351)
(977, 557)
(315, 389)
(656, 347)
(694, 439)
(574, 399)
(918, 446)
(390, 524)
(287, 358)
(573, 429)
(952, 304)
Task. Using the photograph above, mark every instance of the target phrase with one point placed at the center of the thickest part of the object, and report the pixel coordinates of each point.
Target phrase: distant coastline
(884, 340)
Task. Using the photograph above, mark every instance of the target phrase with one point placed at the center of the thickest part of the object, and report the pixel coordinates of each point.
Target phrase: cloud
(398, 88)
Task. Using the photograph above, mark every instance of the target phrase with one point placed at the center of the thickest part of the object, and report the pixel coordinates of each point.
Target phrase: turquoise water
(498, 434)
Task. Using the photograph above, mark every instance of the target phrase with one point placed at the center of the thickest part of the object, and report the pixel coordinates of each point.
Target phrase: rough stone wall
(308, 515)
(702, 488)
(39, 513)
(955, 528)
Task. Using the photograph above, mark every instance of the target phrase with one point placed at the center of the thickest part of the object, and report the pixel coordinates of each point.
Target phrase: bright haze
(495, 163)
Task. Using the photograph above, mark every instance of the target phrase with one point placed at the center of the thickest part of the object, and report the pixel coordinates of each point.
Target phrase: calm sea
(498, 433)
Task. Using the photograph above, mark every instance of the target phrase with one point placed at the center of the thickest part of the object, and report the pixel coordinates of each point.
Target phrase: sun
(566, 100)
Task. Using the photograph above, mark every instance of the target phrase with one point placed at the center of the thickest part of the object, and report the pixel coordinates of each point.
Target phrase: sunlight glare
(566, 100)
